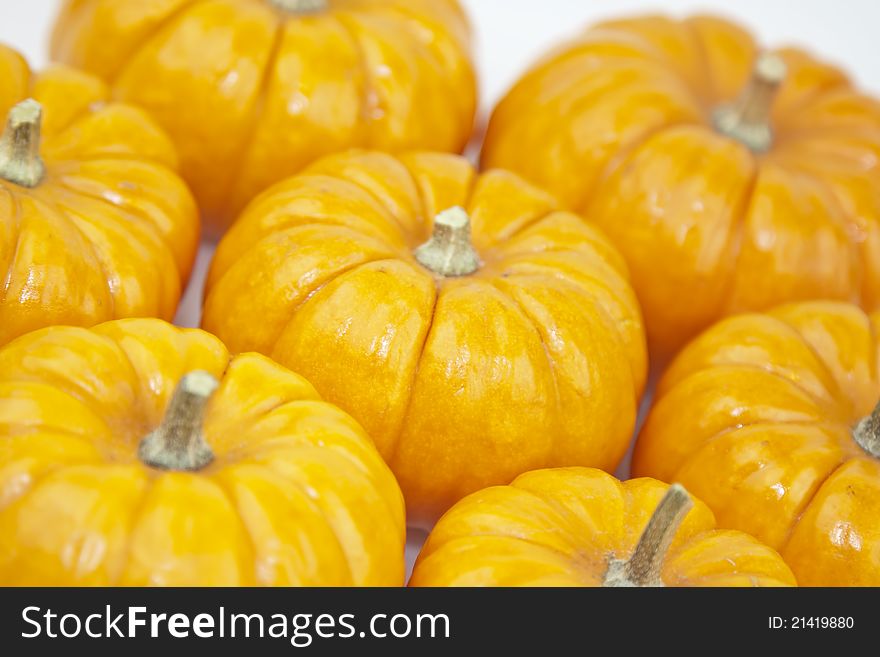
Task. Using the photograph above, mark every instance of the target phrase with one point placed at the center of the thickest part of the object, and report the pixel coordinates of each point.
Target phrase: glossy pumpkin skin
(297, 494)
(756, 417)
(561, 527)
(110, 231)
(537, 359)
(252, 94)
(618, 124)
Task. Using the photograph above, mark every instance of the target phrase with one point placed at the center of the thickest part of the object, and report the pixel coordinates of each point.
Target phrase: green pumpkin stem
(747, 119)
(643, 568)
(179, 442)
(20, 161)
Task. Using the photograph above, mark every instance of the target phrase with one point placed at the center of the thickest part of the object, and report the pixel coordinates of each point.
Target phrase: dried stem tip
(20, 161)
(449, 252)
(300, 6)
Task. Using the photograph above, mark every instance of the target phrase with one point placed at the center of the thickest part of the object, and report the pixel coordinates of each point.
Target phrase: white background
(512, 33)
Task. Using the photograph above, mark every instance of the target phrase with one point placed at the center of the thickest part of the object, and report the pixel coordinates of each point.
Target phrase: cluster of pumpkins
(467, 343)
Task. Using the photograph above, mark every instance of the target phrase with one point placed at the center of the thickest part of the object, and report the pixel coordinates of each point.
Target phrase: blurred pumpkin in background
(773, 420)
(583, 527)
(730, 179)
(473, 329)
(253, 91)
(95, 224)
(139, 454)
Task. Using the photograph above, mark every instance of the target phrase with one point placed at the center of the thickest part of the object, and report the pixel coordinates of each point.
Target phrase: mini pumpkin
(730, 179)
(136, 453)
(583, 527)
(94, 222)
(474, 330)
(252, 92)
(768, 418)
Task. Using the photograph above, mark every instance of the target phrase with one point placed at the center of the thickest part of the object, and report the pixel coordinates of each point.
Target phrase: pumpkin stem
(20, 161)
(449, 252)
(867, 433)
(643, 568)
(747, 119)
(178, 443)
(300, 6)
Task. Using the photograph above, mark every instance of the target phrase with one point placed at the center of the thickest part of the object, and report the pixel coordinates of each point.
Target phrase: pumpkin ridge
(816, 92)
(529, 319)
(531, 223)
(131, 213)
(16, 219)
(619, 159)
(696, 37)
(565, 281)
(395, 446)
(162, 26)
(820, 481)
(75, 118)
(257, 110)
(561, 512)
(465, 203)
(843, 220)
(286, 196)
(138, 386)
(59, 387)
(245, 529)
(277, 480)
(291, 315)
(820, 404)
(74, 221)
(404, 19)
(22, 429)
(564, 512)
(34, 481)
(405, 14)
(322, 512)
(809, 501)
(475, 538)
(371, 89)
(860, 251)
(133, 522)
(808, 424)
(423, 202)
(391, 216)
(742, 211)
(60, 471)
(875, 344)
(837, 393)
(356, 464)
(501, 238)
(55, 215)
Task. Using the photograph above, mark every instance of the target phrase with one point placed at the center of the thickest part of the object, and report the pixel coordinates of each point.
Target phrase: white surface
(512, 33)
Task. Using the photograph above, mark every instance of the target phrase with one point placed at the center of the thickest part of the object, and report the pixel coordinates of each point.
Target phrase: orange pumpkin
(768, 418)
(475, 331)
(253, 91)
(136, 453)
(730, 180)
(583, 527)
(94, 222)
